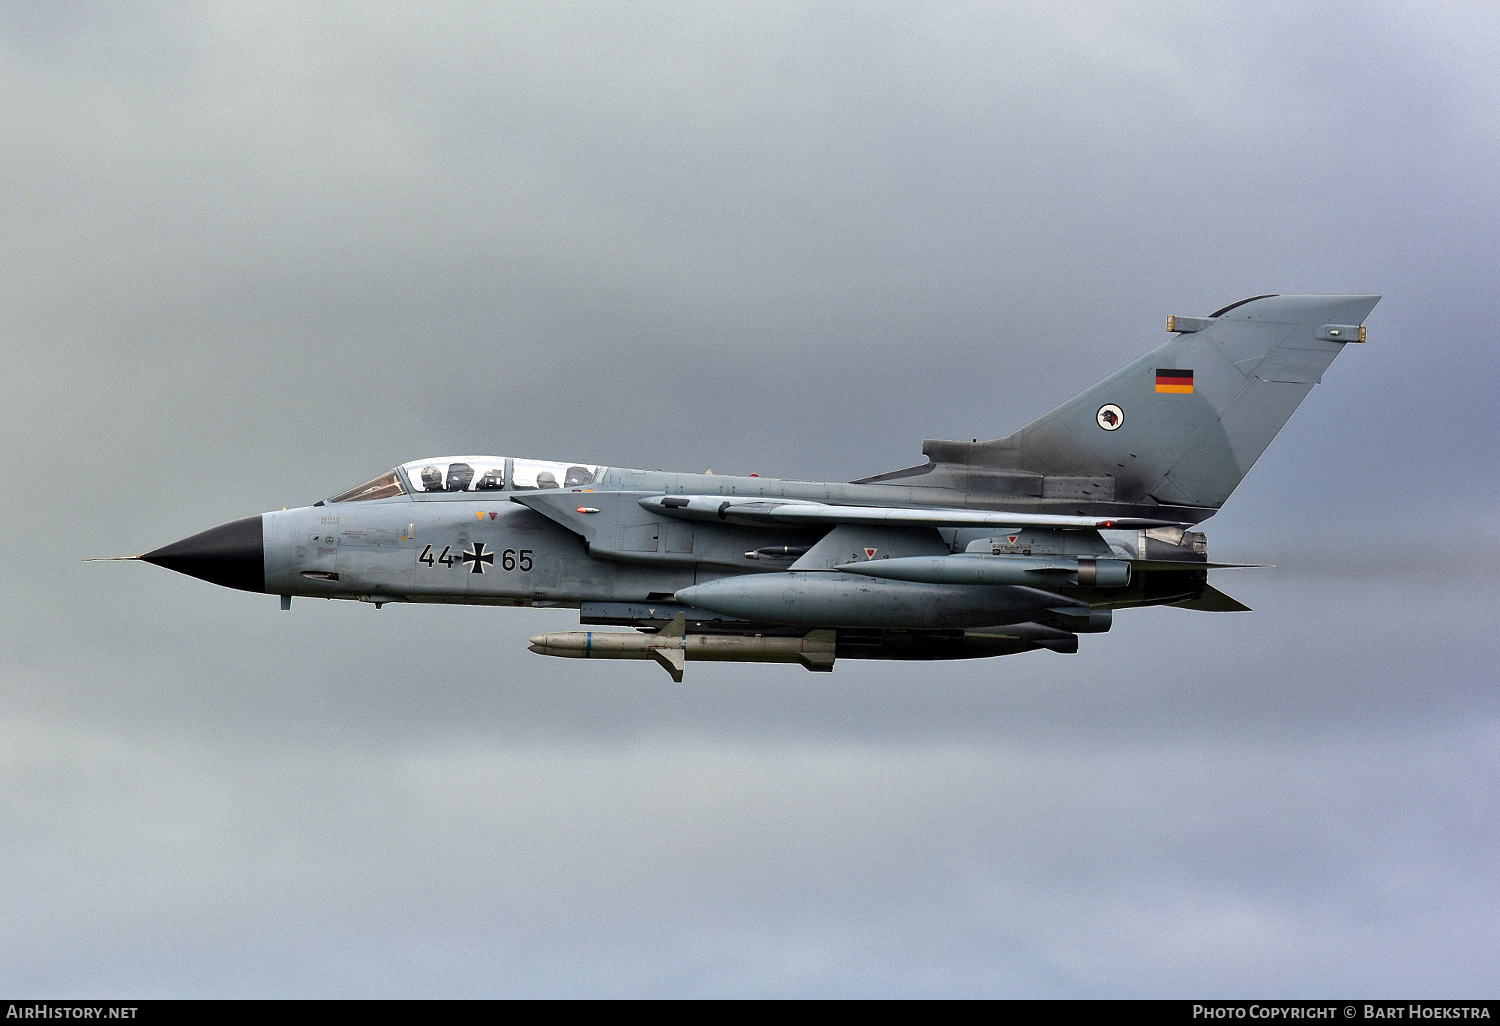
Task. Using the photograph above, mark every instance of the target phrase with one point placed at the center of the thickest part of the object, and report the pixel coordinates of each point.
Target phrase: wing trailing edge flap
(805, 513)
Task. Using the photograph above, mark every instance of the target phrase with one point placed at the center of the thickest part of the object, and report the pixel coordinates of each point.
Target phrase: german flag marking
(1173, 380)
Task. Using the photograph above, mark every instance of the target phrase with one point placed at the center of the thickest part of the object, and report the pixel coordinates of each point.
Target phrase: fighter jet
(988, 548)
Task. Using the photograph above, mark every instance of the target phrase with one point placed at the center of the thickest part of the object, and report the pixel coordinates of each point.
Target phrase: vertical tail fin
(1183, 425)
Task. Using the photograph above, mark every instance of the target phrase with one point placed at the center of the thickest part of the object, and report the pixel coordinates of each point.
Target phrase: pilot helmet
(432, 479)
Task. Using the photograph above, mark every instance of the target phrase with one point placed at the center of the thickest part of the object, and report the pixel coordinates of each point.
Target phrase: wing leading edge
(800, 513)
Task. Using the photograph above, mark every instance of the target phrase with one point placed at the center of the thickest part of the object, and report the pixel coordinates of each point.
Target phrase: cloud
(254, 255)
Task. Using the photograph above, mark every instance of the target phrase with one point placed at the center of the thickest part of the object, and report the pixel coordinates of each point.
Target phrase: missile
(777, 552)
(673, 645)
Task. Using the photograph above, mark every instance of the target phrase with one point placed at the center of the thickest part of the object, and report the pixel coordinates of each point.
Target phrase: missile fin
(818, 649)
(673, 660)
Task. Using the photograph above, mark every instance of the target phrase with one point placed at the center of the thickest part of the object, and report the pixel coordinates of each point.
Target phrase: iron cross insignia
(478, 557)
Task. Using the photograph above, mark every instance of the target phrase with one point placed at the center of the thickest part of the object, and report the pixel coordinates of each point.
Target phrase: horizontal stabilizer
(1213, 601)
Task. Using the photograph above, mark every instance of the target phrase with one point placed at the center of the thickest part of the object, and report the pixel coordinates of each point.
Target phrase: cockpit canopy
(472, 474)
(456, 474)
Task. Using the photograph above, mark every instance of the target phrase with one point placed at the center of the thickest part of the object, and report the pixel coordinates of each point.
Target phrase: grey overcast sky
(254, 254)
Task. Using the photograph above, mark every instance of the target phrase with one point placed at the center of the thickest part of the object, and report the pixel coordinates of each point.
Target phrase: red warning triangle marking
(492, 516)
(870, 553)
(1012, 538)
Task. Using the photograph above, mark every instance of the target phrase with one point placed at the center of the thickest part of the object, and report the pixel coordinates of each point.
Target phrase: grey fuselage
(374, 550)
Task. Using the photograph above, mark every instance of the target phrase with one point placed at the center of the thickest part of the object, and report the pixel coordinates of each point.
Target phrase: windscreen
(383, 487)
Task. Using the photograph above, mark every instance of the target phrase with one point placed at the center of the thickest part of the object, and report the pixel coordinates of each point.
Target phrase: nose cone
(232, 554)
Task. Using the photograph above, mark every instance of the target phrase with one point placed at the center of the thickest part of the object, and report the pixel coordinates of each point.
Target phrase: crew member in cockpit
(546, 479)
(432, 479)
(459, 476)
